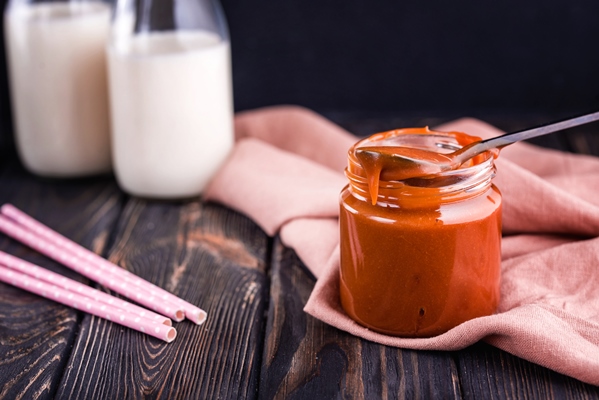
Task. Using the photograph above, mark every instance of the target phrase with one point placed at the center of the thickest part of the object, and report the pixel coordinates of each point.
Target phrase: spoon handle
(509, 138)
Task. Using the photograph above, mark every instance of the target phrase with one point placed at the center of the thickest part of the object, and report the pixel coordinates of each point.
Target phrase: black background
(387, 57)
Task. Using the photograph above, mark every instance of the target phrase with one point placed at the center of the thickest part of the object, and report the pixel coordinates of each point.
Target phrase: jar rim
(469, 179)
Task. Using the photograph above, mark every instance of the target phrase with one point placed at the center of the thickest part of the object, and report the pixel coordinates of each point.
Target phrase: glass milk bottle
(57, 70)
(171, 95)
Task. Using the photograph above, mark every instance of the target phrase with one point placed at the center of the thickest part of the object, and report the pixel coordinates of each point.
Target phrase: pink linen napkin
(286, 173)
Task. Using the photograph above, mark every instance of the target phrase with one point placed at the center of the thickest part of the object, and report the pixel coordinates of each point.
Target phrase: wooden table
(257, 342)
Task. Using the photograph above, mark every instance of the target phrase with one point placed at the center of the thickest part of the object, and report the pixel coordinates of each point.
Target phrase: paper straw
(191, 311)
(122, 286)
(68, 284)
(75, 300)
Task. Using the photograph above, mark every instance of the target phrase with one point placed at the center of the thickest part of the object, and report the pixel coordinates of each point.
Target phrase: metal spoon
(411, 163)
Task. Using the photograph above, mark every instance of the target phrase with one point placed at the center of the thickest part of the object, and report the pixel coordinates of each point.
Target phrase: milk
(172, 112)
(57, 70)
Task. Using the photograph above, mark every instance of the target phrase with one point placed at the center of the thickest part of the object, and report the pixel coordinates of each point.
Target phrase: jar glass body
(426, 257)
(171, 95)
(57, 75)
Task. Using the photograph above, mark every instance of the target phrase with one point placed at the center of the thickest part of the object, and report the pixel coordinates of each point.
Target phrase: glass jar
(57, 70)
(170, 95)
(426, 256)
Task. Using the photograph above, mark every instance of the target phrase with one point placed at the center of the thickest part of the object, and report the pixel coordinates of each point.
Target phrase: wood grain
(208, 255)
(486, 371)
(257, 342)
(36, 334)
(307, 359)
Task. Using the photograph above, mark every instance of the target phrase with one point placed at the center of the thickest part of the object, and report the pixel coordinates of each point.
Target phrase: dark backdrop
(399, 57)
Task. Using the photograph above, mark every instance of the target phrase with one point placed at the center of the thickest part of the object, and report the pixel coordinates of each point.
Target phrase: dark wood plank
(307, 359)
(36, 334)
(6, 150)
(207, 255)
(486, 372)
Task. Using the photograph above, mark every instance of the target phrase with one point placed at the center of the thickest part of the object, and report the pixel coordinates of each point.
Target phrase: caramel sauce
(379, 163)
(416, 261)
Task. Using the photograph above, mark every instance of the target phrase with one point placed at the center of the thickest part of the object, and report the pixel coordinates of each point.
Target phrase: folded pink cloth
(286, 173)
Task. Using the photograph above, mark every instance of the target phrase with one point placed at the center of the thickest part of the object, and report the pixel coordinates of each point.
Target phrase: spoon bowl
(407, 162)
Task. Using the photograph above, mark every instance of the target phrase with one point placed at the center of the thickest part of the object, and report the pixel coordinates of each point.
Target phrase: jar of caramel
(419, 255)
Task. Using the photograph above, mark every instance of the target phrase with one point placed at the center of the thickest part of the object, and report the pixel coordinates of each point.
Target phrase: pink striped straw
(122, 286)
(65, 245)
(68, 284)
(80, 302)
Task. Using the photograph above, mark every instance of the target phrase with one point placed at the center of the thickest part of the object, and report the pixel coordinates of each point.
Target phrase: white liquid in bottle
(57, 69)
(172, 112)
